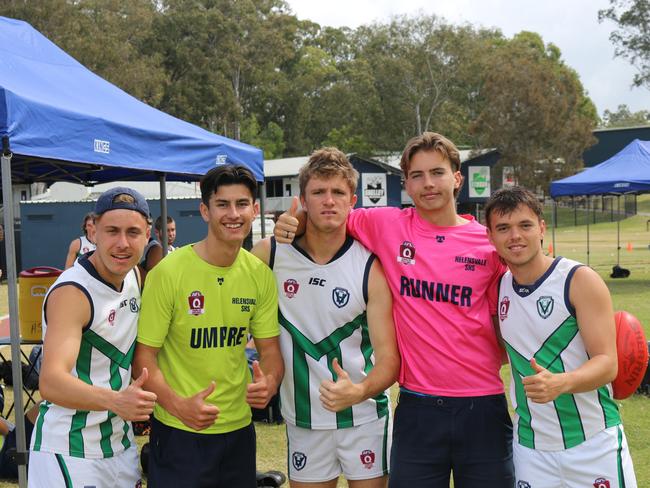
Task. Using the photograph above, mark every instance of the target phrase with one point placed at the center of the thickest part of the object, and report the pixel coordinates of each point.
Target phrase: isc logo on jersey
(601, 483)
(196, 302)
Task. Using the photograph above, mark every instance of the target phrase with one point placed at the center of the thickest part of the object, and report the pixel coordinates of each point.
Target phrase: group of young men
(340, 303)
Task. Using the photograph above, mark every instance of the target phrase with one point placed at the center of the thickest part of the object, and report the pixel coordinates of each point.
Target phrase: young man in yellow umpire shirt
(198, 306)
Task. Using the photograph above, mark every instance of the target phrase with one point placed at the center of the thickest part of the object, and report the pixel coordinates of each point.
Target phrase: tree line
(251, 70)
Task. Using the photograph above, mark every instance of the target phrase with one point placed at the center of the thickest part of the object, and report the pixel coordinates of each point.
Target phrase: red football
(632, 354)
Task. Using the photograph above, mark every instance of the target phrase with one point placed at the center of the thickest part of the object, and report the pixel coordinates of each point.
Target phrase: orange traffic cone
(629, 246)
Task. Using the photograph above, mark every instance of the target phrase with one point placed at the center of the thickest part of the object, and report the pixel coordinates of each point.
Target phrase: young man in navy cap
(83, 435)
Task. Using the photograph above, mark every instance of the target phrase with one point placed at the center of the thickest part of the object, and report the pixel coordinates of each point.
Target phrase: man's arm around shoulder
(67, 313)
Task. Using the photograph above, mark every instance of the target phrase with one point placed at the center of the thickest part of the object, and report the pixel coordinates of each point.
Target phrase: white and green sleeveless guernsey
(85, 246)
(105, 356)
(539, 321)
(322, 314)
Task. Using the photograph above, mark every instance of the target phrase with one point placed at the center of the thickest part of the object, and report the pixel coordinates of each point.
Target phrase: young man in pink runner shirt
(443, 273)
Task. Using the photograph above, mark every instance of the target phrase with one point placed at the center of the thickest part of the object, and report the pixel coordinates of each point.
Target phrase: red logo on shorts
(111, 318)
(197, 303)
(367, 458)
(291, 288)
(504, 306)
(601, 483)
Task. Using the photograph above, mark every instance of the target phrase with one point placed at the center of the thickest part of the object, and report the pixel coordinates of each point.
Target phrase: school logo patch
(340, 297)
(196, 301)
(545, 306)
(601, 483)
(406, 253)
(440, 239)
(504, 307)
(523, 484)
(290, 288)
(367, 458)
(133, 305)
(220, 280)
(299, 460)
(111, 318)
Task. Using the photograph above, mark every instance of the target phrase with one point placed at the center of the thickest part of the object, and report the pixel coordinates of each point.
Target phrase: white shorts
(49, 470)
(359, 453)
(602, 461)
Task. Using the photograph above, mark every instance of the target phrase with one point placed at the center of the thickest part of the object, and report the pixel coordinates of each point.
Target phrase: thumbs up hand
(287, 225)
(259, 392)
(544, 386)
(134, 403)
(195, 412)
(340, 394)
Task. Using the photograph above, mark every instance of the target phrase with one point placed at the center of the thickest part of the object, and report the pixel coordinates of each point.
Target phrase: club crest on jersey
(133, 305)
(196, 302)
(406, 253)
(299, 460)
(291, 287)
(111, 318)
(504, 307)
(601, 483)
(523, 484)
(440, 239)
(220, 280)
(340, 297)
(545, 306)
(367, 458)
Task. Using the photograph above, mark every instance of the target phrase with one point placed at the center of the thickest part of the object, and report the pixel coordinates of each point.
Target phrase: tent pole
(163, 214)
(588, 217)
(262, 208)
(554, 223)
(16, 372)
(618, 231)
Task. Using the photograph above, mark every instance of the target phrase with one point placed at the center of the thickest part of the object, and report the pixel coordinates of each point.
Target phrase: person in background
(84, 243)
(153, 252)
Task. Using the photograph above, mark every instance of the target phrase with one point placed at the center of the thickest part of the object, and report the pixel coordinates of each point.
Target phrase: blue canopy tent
(61, 122)
(627, 172)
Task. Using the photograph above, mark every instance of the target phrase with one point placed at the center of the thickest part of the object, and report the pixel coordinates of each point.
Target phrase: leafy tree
(534, 111)
(623, 117)
(632, 36)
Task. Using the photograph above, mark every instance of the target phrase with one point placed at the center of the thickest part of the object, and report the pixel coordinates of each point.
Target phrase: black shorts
(179, 458)
(435, 436)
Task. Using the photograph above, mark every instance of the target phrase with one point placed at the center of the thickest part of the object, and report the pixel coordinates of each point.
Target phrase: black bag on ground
(618, 272)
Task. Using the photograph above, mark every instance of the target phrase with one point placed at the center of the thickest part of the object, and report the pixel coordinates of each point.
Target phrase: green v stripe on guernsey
(64, 471)
(619, 458)
(106, 430)
(109, 350)
(610, 410)
(381, 400)
(78, 423)
(42, 410)
(303, 347)
(344, 418)
(548, 357)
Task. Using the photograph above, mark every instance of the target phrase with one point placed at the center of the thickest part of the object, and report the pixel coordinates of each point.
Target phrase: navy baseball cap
(121, 197)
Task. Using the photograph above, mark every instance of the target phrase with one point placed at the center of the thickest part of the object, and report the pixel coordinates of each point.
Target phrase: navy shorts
(469, 437)
(180, 458)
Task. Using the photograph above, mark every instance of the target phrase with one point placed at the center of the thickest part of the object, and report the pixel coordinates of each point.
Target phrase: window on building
(274, 188)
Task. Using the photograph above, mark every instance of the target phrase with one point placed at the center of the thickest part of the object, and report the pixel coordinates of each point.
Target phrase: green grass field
(631, 294)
